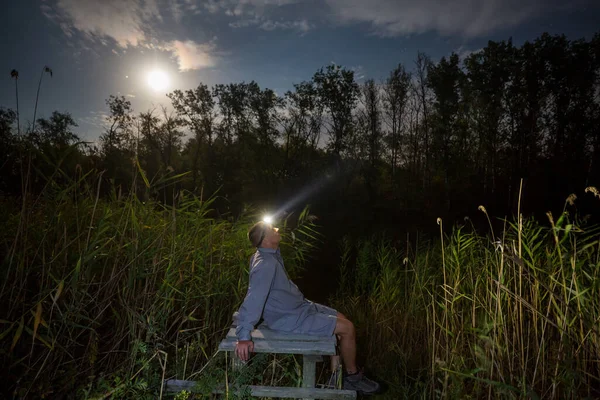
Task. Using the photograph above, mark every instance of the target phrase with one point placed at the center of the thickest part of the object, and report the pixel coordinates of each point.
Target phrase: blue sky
(98, 48)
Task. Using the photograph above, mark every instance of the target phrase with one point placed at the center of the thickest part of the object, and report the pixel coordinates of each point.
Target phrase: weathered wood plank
(304, 393)
(282, 347)
(267, 334)
(177, 385)
(309, 370)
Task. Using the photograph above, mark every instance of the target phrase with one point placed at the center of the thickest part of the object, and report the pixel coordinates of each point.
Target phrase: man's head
(262, 234)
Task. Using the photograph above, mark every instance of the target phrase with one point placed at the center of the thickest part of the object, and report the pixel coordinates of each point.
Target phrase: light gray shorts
(320, 321)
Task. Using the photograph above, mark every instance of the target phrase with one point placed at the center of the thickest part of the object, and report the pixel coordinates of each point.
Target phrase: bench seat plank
(303, 393)
(284, 347)
(173, 385)
(267, 334)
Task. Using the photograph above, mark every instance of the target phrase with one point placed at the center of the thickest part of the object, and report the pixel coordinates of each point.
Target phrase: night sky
(98, 48)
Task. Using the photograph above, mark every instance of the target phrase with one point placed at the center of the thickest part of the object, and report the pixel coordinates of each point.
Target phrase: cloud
(359, 72)
(239, 7)
(258, 13)
(130, 23)
(245, 23)
(300, 25)
(191, 55)
(270, 25)
(182, 8)
(469, 18)
(97, 119)
(122, 21)
(464, 52)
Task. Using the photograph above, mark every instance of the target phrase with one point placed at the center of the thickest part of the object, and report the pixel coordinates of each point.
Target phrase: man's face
(272, 235)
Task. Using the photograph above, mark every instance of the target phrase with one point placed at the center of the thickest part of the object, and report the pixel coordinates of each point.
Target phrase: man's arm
(261, 279)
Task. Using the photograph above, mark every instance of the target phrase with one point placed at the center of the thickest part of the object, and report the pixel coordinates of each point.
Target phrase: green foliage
(474, 318)
(339, 94)
(427, 139)
(102, 295)
(109, 276)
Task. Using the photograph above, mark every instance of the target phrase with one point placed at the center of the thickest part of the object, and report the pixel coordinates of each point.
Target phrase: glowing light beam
(308, 191)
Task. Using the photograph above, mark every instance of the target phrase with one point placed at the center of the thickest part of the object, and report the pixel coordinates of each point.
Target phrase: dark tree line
(430, 139)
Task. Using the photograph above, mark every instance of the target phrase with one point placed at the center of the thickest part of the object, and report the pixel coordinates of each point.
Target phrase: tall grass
(107, 296)
(468, 316)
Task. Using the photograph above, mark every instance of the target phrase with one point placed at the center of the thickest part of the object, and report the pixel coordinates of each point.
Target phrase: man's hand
(243, 348)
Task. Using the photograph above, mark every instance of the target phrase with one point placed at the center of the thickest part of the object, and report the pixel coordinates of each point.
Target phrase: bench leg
(236, 363)
(309, 370)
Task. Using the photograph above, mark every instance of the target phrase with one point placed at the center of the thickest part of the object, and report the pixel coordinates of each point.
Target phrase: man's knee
(340, 315)
(344, 327)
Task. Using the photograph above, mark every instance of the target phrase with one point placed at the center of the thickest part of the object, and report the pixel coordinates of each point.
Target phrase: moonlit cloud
(258, 14)
(300, 25)
(130, 23)
(469, 18)
(191, 55)
(122, 21)
(97, 119)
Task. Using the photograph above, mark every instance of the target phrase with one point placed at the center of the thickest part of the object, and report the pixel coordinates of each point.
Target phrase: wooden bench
(312, 348)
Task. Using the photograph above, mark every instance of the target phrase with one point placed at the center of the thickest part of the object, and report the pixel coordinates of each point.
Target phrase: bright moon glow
(158, 80)
(268, 219)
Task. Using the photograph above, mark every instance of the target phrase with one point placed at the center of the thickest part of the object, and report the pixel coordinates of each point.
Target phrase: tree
(339, 93)
(302, 123)
(395, 99)
(446, 80)
(14, 74)
(233, 103)
(368, 123)
(8, 152)
(595, 134)
(525, 102)
(148, 149)
(56, 151)
(305, 113)
(55, 131)
(120, 120)
(264, 105)
(7, 138)
(422, 65)
(489, 76)
(197, 109)
(571, 121)
(372, 115)
(117, 144)
(170, 137)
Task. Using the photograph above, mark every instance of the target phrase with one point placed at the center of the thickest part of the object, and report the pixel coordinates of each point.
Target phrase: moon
(158, 80)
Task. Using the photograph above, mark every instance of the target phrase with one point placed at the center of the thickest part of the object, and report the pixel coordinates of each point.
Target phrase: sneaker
(359, 382)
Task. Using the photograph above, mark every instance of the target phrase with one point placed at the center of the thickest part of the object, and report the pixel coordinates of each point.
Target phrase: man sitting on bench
(272, 295)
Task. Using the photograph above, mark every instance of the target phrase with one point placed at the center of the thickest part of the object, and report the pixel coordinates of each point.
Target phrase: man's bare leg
(335, 360)
(344, 329)
(346, 333)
